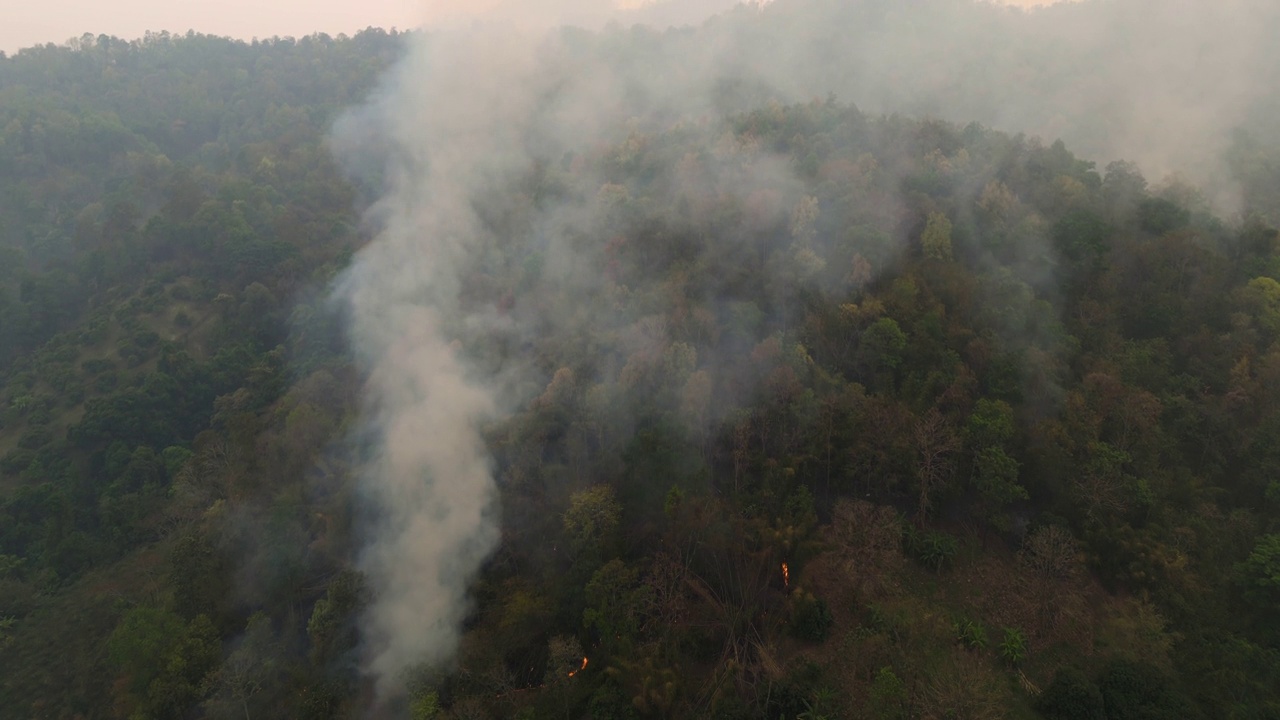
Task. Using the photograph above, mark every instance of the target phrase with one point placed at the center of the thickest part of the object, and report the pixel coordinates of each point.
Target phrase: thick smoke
(470, 110)
(1163, 83)
(466, 112)
(448, 125)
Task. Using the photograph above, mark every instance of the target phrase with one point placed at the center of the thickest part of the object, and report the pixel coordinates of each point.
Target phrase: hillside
(784, 408)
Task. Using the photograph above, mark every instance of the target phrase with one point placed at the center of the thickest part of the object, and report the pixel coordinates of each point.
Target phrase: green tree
(1261, 572)
(424, 705)
(881, 350)
(198, 575)
(591, 524)
(1262, 297)
(995, 477)
(142, 643)
(162, 661)
(990, 423)
(251, 668)
(936, 238)
(614, 598)
(331, 627)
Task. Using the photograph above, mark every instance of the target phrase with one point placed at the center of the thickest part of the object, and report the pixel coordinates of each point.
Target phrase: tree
(565, 659)
(198, 575)
(141, 644)
(162, 660)
(331, 627)
(935, 445)
(991, 423)
(1262, 297)
(424, 705)
(6, 627)
(591, 524)
(935, 241)
(882, 345)
(1105, 487)
(1261, 572)
(695, 402)
(247, 671)
(995, 477)
(614, 599)
(1051, 551)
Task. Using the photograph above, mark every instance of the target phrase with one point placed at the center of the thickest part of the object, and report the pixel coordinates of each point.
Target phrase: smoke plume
(447, 125)
(470, 110)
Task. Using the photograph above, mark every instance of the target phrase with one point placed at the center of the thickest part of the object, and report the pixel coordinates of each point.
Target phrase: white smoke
(466, 110)
(471, 108)
(446, 125)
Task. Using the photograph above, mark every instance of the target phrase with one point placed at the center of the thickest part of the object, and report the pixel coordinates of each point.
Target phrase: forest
(819, 412)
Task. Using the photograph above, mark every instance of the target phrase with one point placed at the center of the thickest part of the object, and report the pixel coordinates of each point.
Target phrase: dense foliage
(931, 421)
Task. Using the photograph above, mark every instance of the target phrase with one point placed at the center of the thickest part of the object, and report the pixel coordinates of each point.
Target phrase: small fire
(786, 576)
(584, 667)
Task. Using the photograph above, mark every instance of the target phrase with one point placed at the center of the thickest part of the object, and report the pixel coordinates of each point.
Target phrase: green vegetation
(169, 209)
(1010, 424)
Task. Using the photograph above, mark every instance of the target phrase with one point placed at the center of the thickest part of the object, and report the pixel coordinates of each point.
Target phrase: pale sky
(24, 23)
(31, 22)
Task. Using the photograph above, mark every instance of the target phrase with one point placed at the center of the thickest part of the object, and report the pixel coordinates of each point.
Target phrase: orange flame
(584, 667)
(786, 576)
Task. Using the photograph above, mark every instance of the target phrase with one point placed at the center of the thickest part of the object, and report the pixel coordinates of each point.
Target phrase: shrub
(1014, 646)
(888, 695)
(867, 534)
(73, 394)
(95, 366)
(180, 293)
(1132, 690)
(146, 338)
(971, 634)
(93, 333)
(15, 461)
(41, 413)
(933, 548)
(810, 617)
(35, 438)
(1071, 696)
(106, 382)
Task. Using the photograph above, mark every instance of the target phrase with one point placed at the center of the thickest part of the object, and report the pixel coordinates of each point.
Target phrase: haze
(501, 369)
(24, 25)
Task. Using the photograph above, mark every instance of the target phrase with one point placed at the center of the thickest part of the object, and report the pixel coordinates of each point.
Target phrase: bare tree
(936, 445)
(1051, 551)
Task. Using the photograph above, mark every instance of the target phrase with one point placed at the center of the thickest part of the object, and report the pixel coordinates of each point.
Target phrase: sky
(24, 23)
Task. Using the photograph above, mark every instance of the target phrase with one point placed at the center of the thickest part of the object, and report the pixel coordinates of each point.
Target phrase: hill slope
(827, 414)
